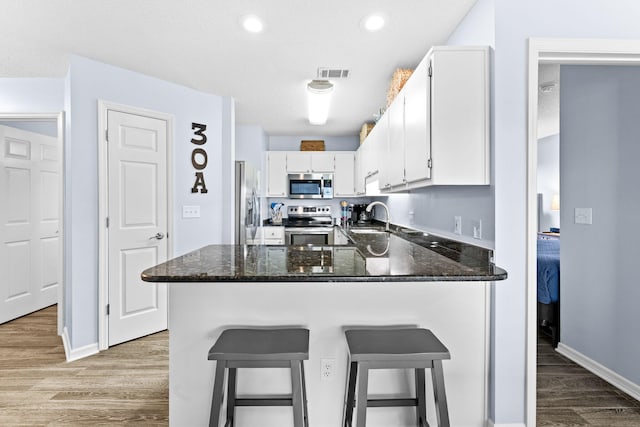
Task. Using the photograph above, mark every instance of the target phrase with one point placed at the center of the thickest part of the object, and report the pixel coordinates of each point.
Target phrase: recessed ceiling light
(373, 22)
(252, 23)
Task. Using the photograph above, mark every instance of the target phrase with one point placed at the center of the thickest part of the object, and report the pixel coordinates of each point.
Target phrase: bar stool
(417, 349)
(260, 348)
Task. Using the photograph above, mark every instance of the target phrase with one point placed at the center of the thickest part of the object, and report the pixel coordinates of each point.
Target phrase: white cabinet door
(344, 177)
(322, 162)
(310, 162)
(417, 142)
(360, 176)
(379, 156)
(396, 142)
(277, 173)
(460, 115)
(298, 161)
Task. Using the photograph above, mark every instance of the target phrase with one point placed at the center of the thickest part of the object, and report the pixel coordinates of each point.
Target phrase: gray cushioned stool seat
(413, 348)
(260, 348)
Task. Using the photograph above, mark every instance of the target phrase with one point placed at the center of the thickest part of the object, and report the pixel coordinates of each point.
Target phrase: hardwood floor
(127, 384)
(569, 395)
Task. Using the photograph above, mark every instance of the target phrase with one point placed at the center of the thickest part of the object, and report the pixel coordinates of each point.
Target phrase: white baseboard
(76, 353)
(490, 423)
(603, 372)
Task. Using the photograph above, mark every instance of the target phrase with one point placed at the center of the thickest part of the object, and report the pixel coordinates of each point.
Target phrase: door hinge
(108, 309)
(106, 220)
(429, 164)
(106, 135)
(430, 71)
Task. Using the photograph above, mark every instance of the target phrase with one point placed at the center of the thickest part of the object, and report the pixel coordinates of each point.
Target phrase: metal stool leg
(421, 407)
(231, 398)
(296, 394)
(347, 418)
(216, 400)
(437, 376)
(304, 396)
(361, 404)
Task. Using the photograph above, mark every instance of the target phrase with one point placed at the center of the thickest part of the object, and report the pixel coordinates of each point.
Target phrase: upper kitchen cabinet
(309, 162)
(276, 175)
(460, 116)
(344, 174)
(437, 128)
(417, 144)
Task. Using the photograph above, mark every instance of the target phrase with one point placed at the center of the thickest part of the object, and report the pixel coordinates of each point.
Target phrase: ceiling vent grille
(333, 73)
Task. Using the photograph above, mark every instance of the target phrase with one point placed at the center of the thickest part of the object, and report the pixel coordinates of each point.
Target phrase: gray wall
(599, 109)
(549, 179)
(43, 127)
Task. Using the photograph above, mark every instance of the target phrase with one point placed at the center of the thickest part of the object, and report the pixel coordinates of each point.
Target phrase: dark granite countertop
(403, 255)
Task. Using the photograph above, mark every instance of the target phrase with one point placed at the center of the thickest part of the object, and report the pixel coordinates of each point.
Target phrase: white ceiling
(200, 44)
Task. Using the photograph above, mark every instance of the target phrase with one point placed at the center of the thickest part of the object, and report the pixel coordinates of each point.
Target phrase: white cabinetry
(460, 116)
(277, 173)
(417, 146)
(437, 128)
(344, 174)
(309, 162)
(340, 163)
(268, 235)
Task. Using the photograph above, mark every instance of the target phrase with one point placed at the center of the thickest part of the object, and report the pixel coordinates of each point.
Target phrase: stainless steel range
(308, 225)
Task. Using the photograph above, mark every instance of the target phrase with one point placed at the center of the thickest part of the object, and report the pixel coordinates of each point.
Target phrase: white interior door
(29, 209)
(137, 229)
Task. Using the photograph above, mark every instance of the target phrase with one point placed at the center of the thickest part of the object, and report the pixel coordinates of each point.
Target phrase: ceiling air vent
(333, 73)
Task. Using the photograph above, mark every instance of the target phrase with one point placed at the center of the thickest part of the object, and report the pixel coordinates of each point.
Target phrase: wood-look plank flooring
(127, 384)
(569, 395)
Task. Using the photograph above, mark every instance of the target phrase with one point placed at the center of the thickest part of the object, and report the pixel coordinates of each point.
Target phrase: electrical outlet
(190, 211)
(477, 229)
(457, 227)
(326, 368)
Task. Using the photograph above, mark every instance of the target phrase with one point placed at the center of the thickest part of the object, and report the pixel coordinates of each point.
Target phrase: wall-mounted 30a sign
(199, 157)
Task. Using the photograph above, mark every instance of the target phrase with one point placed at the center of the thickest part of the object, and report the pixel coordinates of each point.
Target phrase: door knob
(158, 236)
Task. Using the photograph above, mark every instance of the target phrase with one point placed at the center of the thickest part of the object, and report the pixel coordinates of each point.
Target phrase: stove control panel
(308, 211)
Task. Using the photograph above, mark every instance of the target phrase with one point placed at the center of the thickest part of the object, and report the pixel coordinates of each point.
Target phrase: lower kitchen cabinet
(267, 235)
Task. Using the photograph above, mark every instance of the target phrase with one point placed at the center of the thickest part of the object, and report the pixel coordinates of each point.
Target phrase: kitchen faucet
(386, 208)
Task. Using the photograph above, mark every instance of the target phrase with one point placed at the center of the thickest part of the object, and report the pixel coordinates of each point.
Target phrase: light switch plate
(191, 212)
(583, 216)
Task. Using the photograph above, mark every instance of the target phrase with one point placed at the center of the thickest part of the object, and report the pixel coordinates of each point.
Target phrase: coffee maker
(359, 214)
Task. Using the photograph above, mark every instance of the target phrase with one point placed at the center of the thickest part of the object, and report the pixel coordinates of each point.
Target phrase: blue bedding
(548, 270)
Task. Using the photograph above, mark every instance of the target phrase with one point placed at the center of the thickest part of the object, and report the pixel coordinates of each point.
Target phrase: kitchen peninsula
(404, 277)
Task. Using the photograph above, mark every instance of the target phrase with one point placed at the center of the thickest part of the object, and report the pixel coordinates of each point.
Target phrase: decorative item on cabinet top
(366, 129)
(312, 145)
(399, 78)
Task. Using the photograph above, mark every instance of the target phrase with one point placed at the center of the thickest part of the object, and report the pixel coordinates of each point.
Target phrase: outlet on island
(457, 224)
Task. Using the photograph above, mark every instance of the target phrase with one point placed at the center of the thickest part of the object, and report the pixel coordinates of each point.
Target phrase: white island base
(457, 313)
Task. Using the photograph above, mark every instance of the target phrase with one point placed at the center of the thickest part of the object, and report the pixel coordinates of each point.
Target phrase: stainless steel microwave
(310, 185)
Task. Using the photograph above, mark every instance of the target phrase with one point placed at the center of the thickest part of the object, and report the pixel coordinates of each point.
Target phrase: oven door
(308, 235)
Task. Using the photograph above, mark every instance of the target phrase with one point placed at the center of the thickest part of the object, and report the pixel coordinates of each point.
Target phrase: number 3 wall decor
(199, 157)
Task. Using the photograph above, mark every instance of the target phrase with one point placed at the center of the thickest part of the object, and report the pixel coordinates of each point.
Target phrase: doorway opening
(554, 51)
(31, 218)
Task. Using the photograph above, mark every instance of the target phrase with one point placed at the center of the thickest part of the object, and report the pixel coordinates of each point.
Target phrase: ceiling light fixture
(319, 97)
(252, 24)
(373, 22)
